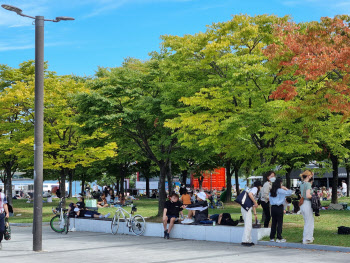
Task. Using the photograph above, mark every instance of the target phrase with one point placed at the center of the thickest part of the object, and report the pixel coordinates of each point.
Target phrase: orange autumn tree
(314, 64)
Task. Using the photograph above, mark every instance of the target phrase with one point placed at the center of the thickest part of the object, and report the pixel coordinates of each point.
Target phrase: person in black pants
(4, 213)
(278, 194)
(265, 192)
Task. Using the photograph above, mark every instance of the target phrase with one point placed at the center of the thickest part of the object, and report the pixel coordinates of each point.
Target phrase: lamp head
(63, 18)
(12, 8)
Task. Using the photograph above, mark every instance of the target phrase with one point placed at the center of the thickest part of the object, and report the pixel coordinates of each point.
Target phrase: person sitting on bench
(171, 211)
(79, 210)
(197, 210)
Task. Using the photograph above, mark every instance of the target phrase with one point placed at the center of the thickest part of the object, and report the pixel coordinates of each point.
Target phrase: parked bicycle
(60, 222)
(136, 224)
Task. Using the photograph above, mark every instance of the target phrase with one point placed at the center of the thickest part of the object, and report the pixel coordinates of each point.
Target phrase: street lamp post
(39, 121)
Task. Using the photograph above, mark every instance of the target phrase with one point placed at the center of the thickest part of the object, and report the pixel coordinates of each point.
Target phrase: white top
(344, 186)
(254, 191)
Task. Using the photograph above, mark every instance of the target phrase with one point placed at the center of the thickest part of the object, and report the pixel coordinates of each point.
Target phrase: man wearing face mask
(265, 192)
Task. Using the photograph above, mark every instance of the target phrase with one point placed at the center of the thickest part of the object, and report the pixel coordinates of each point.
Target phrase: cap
(202, 196)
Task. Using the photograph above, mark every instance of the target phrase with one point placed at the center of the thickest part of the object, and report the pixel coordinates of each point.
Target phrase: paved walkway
(94, 247)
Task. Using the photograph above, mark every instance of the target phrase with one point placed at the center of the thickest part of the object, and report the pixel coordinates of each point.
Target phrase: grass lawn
(325, 225)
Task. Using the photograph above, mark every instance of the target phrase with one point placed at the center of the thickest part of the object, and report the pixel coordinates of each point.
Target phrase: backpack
(7, 234)
(244, 200)
(315, 202)
(343, 230)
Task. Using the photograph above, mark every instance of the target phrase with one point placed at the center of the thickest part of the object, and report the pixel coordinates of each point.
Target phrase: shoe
(107, 215)
(247, 244)
(272, 240)
(281, 240)
(165, 233)
(187, 221)
(307, 242)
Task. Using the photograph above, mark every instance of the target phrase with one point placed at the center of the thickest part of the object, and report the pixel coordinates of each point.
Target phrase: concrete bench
(229, 234)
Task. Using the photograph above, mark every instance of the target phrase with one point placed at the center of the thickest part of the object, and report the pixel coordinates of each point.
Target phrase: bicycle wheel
(115, 223)
(138, 225)
(66, 224)
(57, 224)
(221, 205)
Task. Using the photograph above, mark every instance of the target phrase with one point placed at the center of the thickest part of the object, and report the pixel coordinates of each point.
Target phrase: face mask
(273, 179)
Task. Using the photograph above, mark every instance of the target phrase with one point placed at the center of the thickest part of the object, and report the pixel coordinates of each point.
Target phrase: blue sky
(107, 31)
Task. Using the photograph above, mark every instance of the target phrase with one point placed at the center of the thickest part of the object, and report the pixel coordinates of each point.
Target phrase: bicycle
(136, 224)
(60, 222)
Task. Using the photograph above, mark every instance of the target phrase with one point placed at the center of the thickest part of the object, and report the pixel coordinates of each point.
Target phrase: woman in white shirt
(247, 215)
(277, 198)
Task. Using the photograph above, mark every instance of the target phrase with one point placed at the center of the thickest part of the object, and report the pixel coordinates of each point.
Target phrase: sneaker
(187, 221)
(307, 242)
(247, 244)
(107, 215)
(165, 233)
(272, 240)
(281, 240)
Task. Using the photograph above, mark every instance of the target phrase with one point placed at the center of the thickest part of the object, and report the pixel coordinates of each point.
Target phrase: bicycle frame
(123, 212)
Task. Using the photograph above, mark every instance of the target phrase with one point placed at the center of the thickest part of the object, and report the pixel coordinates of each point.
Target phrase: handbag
(244, 200)
(7, 234)
(302, 198)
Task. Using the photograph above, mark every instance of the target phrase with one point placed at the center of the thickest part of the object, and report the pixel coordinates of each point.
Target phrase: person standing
(344, 188)
(265, 193)
(278, 195)
(4, 213)
(306, 208)
(247, 215)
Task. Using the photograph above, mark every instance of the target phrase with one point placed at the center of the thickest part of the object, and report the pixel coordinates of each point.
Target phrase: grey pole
(38, 133)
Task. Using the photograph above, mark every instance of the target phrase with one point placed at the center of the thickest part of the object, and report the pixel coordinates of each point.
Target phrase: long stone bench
(227, 234)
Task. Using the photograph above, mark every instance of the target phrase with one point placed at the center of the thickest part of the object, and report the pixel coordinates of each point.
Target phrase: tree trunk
(335, 164)
(122, 177)
(70, 176)
(236, 169)
(289, 171)
(118, 191)
(8, 186)
(162, 195)
(170, 179)
(228, 181)
(82, 183)
(200, 182)
(184, 176)
(347, 167)
(147, 186)
(63, 186)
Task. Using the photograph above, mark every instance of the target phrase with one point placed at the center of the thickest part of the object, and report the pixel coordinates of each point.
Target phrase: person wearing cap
(4, 213)
(199, 210)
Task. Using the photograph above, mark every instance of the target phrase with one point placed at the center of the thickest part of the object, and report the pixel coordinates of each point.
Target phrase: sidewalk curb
(28, 224)
(302, 246)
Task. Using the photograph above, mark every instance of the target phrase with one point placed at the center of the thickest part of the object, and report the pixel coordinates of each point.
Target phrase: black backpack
(315, 202)
(343, 230)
